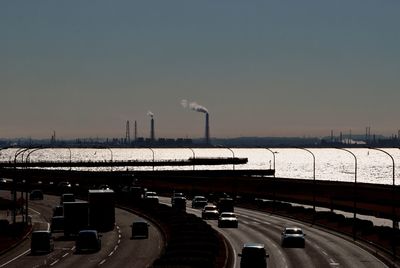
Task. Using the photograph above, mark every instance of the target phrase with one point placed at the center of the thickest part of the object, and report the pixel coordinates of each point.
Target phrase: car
(176, 194)
(293, 237)
(41, 242)
(210, 212)
(58, 211)
(88, 241)
(151, 198)
(199, 201)
(179, 203)
(64, 187)
(67, 197)
(104, 187)
(140, 229)
(36, 195)
(228, 219)
(57, 224)
(253, 256)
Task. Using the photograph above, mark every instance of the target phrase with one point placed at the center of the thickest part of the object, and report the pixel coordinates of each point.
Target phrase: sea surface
(373, 166)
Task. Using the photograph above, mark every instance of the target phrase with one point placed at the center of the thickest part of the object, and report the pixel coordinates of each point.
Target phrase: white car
(228, 219)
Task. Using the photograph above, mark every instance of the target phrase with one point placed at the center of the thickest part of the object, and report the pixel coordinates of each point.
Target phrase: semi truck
(102, 209)
(76, 217)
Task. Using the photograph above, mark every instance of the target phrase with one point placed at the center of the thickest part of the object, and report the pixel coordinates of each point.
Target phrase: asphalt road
(322, 249)
(118, 249)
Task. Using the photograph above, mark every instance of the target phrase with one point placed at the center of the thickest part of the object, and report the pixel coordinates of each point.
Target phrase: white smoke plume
(150, 113)
(194, 106)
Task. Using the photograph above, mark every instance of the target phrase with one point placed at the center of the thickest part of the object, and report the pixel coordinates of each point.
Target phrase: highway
(322, 248)
(118, 249)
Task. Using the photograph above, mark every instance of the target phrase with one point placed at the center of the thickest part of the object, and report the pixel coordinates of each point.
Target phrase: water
(373, 166)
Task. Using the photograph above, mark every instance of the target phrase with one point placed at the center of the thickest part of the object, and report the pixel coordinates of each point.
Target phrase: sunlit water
(373, 166)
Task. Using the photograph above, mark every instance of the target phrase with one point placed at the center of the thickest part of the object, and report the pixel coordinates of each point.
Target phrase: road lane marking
(65, 255)
(37, 212)
(54, 262)
(102, 262)
(19, 256)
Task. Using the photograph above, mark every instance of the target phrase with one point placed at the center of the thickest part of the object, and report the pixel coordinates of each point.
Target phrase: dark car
(176, 194)
(228, 219)
(210, 212)
(88, 241)
(140, 229)
(151, 198)
(64, 187)
(58, 211)
(293, 237)
(199, 202)
(41, 242)
(57, 224)
(179, 203)
(67, 197)
(253, 256)
(36, 195)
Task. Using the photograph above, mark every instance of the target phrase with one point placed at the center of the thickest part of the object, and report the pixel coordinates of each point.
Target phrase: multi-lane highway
(118, 249)
(322, 249)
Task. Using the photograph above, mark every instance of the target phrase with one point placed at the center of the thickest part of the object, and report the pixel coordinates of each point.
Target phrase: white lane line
(65, 255)
(119, 236)
(19, 256)
(119, 241)
(37, 212)
(323, 252)
(54, 262)
(111, 253)
(102, 262)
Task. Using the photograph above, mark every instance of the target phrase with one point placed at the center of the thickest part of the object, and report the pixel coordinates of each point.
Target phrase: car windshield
(293, 231)
(209, 208)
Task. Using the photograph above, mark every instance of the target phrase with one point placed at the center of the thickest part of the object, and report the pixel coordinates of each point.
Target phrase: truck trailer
(102, 209)
(76, 217)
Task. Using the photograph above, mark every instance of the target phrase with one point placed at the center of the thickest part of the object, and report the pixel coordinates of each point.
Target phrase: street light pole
(355, 191)
(152, 151)
(273, 157)
(314, 182)
(111, 157)
(194, 156)
(393, 198)
(233, 156)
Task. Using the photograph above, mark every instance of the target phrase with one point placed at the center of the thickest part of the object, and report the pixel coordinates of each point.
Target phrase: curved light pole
(152, 151)
(194, 156)
(314, 198)
(111, 157)
(17, 153)
(233, 156)
(355, 191)
(273, 155)
(393, 197)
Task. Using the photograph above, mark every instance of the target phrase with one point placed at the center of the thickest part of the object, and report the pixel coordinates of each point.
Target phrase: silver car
(293, 237)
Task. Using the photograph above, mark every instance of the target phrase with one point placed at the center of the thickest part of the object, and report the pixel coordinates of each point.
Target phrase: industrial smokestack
(152, 136)
(201, 109)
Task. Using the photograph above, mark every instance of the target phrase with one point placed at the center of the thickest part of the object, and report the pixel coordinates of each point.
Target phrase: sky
(260, 68)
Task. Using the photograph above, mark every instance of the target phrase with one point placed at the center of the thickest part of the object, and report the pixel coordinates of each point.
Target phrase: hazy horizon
(265, 69)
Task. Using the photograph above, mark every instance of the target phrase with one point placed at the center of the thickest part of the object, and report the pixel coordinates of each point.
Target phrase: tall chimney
(152, 129)
(207, 130)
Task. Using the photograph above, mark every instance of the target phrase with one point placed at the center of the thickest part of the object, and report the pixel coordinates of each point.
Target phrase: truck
(102, 209)
(76, 217)
(225, 204)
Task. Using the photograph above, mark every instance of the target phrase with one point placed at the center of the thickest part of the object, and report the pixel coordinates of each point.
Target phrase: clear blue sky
(261, 68)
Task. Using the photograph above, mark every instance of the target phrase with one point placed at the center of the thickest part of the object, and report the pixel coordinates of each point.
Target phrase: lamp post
(355, 191)
(393, 198)
(273, 156)
(274, 181)
(314, 198)
(17, 153)
(152, 151)
(194, 156)
(233, 156)
(111, 152)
